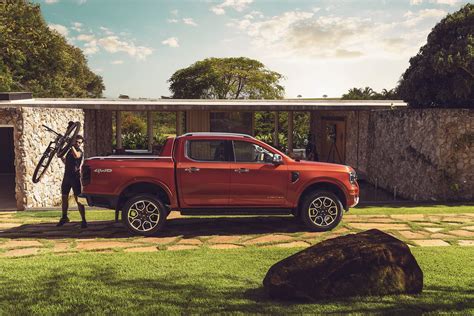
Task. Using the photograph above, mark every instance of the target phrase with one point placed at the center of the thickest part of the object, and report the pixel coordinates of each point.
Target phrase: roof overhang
(206, 105)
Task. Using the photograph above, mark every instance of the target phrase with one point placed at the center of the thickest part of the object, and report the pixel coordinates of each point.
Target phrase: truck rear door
(203, 172)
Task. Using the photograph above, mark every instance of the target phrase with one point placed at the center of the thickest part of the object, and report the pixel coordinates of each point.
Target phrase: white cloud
(91, 47)
(98, 70)
(414, 18)
(93, 43)
(173, 20)
(237, 5)
(171, 42)
(113, 44)
(51, 1)
(174, 12)
(85, 37)
(218, 10)
(300, 35)
(61, 29)
(76, 26)
(189, 21)
(117, 62)
(254, 15)
(80, 2)
(448, 2)
(106, 30)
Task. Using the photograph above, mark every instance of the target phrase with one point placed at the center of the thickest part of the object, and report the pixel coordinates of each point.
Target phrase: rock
(367, 263)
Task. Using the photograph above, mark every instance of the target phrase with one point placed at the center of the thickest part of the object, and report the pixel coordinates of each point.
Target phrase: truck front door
(204, 173)
(255, 180)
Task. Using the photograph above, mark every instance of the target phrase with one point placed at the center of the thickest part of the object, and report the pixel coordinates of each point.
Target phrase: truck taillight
(86, 175)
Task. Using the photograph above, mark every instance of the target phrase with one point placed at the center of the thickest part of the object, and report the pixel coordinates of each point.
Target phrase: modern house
(363, 134)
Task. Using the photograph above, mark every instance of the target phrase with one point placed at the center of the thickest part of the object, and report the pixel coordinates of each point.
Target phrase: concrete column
(118, 129)
(290, 132)
(275, 135)
(149, 126)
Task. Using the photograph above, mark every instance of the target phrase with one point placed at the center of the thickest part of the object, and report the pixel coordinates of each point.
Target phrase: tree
(226, 78)
(442, 73)
(37, 59)
(368, 93)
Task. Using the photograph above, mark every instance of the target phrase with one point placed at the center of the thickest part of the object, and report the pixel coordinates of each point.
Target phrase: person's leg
(65, 188)
(76, 187)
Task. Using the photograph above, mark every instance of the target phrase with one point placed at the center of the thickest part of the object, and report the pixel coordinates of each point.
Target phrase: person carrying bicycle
(72, 179)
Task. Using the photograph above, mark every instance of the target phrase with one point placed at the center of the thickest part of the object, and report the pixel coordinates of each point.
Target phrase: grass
(208, 281)
(429, 209)
(102, 215)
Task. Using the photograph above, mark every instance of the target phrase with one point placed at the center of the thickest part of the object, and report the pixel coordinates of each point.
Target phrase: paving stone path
(184, 233)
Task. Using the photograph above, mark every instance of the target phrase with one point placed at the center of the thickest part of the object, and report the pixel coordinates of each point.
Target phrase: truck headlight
(352, 177)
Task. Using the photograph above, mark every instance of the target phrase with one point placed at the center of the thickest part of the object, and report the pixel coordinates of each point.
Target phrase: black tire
(321, 211)
(136, 224)
(44, 163)
(66, 141)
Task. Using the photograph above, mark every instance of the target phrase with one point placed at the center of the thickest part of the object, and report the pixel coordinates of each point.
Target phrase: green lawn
(208, 281)
(429, 209)
(102, 215)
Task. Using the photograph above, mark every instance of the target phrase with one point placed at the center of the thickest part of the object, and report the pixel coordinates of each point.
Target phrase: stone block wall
(423, 154)
(32, 142)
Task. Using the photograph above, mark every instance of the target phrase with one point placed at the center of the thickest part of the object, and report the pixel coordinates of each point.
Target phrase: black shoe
(62, 221)
(84, 224)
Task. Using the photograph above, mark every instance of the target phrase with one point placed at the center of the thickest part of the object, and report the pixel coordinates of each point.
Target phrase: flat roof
(205, 104)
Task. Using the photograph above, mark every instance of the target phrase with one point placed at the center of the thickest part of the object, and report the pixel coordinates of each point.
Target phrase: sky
(321, 47)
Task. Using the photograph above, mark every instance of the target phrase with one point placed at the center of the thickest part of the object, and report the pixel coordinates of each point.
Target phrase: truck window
(249, 152)
(206, 150)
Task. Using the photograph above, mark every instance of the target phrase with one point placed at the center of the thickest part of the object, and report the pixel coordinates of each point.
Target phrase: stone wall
(97, 132)
(31, 145)
(12, 117)
(423, 154)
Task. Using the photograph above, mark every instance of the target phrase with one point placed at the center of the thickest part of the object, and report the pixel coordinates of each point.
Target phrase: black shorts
(71, 182)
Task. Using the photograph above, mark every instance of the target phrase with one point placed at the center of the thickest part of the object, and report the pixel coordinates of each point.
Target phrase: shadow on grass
(96, 288)
(185, 227)
(432, 299)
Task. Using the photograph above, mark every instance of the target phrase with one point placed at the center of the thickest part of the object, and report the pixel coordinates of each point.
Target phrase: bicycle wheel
(44, 162)
(65, 142)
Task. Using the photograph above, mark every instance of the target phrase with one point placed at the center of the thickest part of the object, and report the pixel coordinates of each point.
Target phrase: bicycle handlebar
(51, 130)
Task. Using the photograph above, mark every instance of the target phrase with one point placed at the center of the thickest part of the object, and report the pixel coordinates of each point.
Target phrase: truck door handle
(241, 170)
(192, 169)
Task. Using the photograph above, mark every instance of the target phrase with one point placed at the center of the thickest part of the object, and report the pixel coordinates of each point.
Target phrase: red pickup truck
(216, 174)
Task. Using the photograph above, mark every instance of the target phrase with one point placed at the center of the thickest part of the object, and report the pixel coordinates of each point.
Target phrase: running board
(237, 211)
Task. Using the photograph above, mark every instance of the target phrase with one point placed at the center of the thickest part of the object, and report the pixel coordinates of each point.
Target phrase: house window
(232, 122)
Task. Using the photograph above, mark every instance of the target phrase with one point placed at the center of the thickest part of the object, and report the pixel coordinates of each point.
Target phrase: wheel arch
(143, 187)
(323, 185)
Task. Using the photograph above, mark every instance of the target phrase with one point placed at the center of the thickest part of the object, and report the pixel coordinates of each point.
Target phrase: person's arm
(76, 153)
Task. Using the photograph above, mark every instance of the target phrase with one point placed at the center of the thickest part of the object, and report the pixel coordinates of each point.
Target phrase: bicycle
(59, 147)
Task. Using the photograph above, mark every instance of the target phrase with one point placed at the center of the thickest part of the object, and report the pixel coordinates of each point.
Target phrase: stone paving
(18, 239)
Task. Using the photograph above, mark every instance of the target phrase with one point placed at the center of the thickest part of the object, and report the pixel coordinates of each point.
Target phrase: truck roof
(216, 134)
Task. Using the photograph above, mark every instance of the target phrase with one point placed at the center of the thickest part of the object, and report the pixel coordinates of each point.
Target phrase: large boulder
(367, 263)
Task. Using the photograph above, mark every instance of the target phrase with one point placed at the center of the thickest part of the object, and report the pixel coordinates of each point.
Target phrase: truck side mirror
(277, 159)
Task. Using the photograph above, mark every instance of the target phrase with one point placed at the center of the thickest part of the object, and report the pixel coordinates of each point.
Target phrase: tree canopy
(442, 73)
(368, 93)
(35, 58)
(226, 78)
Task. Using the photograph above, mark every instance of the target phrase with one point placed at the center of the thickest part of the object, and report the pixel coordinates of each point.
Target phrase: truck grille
(86, 175)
